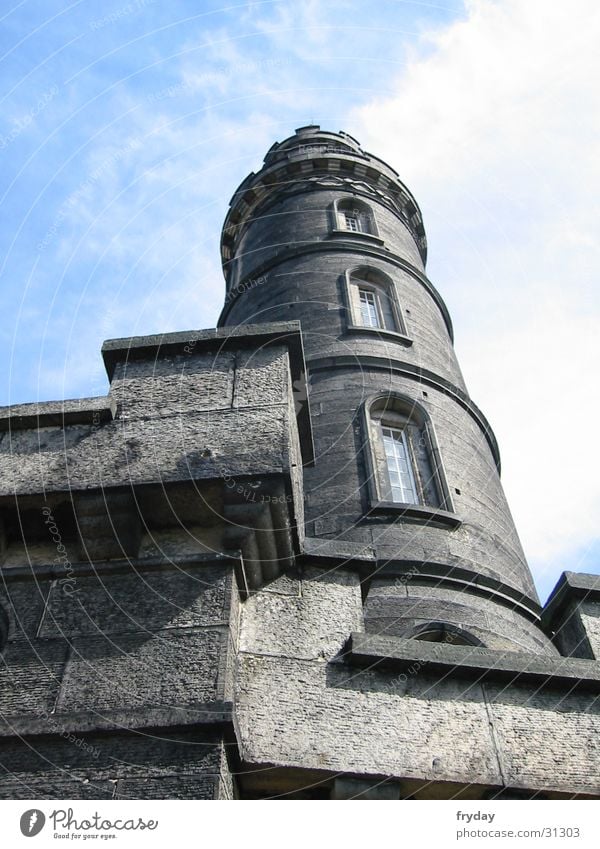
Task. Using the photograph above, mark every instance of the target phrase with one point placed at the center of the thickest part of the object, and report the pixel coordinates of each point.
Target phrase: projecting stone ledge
(471, 662)
(209, 713)
(92, 411)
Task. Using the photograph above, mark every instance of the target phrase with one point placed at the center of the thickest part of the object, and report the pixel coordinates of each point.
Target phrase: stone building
(276, 559)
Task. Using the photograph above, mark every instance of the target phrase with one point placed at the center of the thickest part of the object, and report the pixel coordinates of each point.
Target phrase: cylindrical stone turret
(406, 474)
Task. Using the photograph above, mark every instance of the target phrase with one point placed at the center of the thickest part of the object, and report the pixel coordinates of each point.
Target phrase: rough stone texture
(291, 260)
(299, 712)
(590, 619)
(154, 671)
(166, 636)
(175, 421)
(179, 595)
(572, 615)
(155, 766)
(145, 602)
(307, 618)
(30, 678)
(396, 607)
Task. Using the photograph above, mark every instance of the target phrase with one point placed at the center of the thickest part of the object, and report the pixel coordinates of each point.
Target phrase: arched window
(354, 216)
(372, 301)
(402, 456)
(443, 632)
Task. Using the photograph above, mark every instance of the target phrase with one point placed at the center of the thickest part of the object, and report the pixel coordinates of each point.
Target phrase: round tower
(406, 479)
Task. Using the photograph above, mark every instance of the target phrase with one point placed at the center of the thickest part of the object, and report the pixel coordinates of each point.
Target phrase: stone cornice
(343, 246)
(123, 566)
(572, 587)
(125, 719)
(370, 564)
(423, 376)
(255, 189)
(472, 662)
(57, 413)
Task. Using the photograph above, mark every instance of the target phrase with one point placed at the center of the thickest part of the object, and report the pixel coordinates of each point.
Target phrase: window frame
(380, 284)
(396, 410)
(370, 291)
(364, 215)
(403, 440)
(454, 635)
(354, 218)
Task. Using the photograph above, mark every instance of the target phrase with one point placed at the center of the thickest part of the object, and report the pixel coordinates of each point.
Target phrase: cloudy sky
(125, 127)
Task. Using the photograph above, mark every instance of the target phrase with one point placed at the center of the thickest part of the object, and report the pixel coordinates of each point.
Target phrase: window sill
(355, 234)
(392, 335)
(417, 513)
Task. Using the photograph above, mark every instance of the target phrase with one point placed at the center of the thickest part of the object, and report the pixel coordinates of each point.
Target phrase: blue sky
(126, 126)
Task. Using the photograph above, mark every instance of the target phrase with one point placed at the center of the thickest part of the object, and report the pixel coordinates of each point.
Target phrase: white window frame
(357, 281)
(358, 210)
(396, 411)
(396, 436)
(370, 300)
(350, 219)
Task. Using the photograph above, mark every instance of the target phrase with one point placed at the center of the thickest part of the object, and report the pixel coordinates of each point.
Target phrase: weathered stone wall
(138, 648)
(178, 418)
(163, 635)
(120, 605)
(300, 705)
(590, 618)
(150, 765)
(307, 216)
(310, 288)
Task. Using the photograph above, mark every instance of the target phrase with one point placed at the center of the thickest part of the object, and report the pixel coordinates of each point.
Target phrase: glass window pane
(400, 477)
(389, 322)
(368, 308)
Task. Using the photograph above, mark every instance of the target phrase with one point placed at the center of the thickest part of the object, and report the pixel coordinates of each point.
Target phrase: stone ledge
(366, 362)
(455, 577)
(418, 513)
(381, 333)
(571, 586)
(169, 344)
(338, 552)
(83, 568)
(57, 413)
(191, 342)
(359, 236)
(371, 563)
(206, 713)
(472, 662)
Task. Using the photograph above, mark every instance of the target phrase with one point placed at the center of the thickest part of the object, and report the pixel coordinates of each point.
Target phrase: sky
(126, 126)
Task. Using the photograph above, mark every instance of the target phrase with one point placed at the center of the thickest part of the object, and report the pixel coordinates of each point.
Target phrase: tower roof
(299, 161)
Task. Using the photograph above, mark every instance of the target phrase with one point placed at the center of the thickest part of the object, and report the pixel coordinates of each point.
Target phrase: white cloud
(495, 126)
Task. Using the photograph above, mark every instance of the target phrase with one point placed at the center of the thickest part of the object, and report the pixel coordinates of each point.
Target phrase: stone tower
(406, 472)
(276, 560)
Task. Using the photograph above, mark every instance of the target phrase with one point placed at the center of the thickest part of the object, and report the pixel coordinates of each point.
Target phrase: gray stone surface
(198, 600)
(472, 662)
(322, 713)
